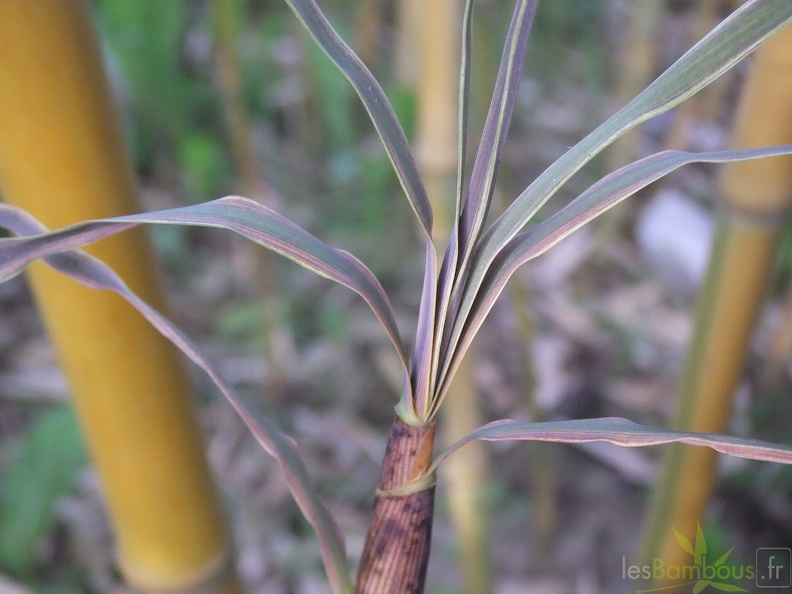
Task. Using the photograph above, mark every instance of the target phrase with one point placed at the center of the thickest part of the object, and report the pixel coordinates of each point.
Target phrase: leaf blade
(736, 37)
(240, 215)
(95, 274)
(601, 196)
(732, 40)
(621, 432)
(496, 126)
(375, 102)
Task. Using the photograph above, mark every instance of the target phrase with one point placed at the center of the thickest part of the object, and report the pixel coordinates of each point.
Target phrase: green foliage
(175, 110)
(42, 471)
(332, 99)
(566, 26)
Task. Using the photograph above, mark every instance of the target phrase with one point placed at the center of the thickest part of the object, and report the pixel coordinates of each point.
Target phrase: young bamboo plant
(458, 291)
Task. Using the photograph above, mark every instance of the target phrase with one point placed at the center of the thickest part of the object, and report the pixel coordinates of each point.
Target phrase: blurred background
(232, 97)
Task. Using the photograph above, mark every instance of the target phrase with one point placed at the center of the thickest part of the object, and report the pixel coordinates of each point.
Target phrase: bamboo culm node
(396, 552)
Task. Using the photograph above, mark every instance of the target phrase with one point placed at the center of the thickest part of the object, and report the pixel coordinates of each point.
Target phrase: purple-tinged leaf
(375, 102)
(529, 244)
(736, 37)
(732, 40)
(621, 432)
(496, 127)
(424, 341)
(95, 274)
(448, 268)
(464, 103)
(240, 215)
(472, 211)
(444, 312)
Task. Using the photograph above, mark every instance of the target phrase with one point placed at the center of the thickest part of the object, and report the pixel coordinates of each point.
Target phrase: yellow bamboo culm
(62, 158)
(755, 197)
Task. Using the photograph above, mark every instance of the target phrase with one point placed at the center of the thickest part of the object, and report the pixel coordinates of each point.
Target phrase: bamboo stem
(62, 158)
(754, 200)
(396, 552)
(731, 297)
(465, 475)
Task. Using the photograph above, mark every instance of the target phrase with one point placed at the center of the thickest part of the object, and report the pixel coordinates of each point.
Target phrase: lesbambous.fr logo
(708, 573)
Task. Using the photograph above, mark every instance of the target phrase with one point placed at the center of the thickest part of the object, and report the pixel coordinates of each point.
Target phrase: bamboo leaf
(464, 102)
(448, 268)
(240, 215)
(723, 558)
(38, 476)
(496, 127)
(701, 585)
(95, 274)
(726, 587)
(601, 196)
(732, 40)
(684, 543)
(621, 432)
(485, 169)
(424, 342)
(445, 310)
(700, 548)
(375, 102)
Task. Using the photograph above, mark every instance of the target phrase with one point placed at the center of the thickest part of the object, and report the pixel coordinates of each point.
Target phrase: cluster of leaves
(460, 288)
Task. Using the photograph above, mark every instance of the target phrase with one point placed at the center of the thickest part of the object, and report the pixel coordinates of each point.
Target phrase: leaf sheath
(396, 552)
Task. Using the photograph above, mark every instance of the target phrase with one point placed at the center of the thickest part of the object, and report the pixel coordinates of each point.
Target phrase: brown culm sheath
(396, 552)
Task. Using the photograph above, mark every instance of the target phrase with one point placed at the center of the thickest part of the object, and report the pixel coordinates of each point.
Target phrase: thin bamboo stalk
(542, 470)
(754, 199)
(62, 158)
(438, 89)
(466, 478)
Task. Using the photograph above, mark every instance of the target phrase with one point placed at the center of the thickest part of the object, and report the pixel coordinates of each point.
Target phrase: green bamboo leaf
(375, 102)
(700, 549)
(700, 585)
(240, 215)
(529, 244)
(621, 432)
(43, 471)
(723, 558)
(726, 587)
(684, 543)
(95, 274)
